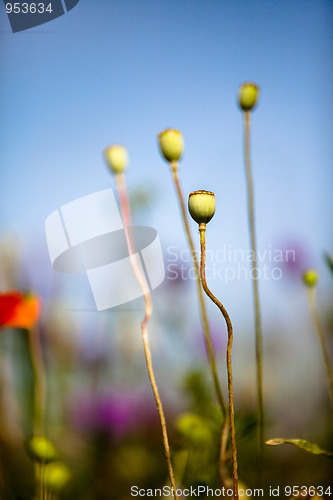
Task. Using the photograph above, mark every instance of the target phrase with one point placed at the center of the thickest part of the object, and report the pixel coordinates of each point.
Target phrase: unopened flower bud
(41, 449)
(56, 476)
(310, 277)
(117, 158)
(171, 144)
(248, 96)
(201, 205)
(194, 429)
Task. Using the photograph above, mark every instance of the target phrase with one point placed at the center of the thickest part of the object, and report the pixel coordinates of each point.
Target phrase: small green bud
(117, 158)
(194, 429)
(248, 96)
(310, 277)
(201, 205)
(56, 476)
(41, 449)
(171, 144)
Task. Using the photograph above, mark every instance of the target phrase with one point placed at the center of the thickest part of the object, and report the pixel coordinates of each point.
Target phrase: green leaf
(302, 444)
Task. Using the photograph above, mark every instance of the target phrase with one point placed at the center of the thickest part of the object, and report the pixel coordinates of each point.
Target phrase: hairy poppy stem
(202, 230)
(256, 301)
(122, 191)
(206, 329)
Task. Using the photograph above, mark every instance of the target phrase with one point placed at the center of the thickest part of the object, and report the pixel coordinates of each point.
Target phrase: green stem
(202, 230)
(38, 483)
(258, 328)
(322, 340)
(206, 329)
(38, 369)
(122, 191)
(43, 487)
(37, 363)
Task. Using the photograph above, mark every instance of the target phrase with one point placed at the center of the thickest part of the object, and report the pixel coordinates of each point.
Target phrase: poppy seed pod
(171, 144)
(248, 96)
(117, 158)
(201, 205)
(310, 277)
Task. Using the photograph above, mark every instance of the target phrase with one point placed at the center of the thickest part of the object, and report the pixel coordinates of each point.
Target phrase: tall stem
(202, 230)
(37, 363)
(206, 329)
(256, 301)
(322, 340)
(122, 191)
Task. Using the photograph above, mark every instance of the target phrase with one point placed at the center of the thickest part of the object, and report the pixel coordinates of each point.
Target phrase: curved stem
(206, 328)
(121, 186)
(202, 230)
(322, 340)
(258, 328)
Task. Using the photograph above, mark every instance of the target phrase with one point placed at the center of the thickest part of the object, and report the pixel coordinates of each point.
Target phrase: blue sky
(121, 71)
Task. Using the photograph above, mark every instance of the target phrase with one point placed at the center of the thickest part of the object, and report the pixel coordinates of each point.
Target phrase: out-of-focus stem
(256, 301)
(124, 204)
(37, 363)
(202, 230)
(206, 329)
(322, 340)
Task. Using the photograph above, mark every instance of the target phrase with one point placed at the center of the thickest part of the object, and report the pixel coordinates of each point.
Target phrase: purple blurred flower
(296, 258)
(115, 413)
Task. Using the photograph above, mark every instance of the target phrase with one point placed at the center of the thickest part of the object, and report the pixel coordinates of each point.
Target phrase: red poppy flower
(18, 310)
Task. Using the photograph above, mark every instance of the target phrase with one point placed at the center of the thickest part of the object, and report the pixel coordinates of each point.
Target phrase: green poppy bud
(171, 144)
(117, 158)
(41, 449)
(310, 277)
(248, 96)
(56, 476)
(201, 205)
